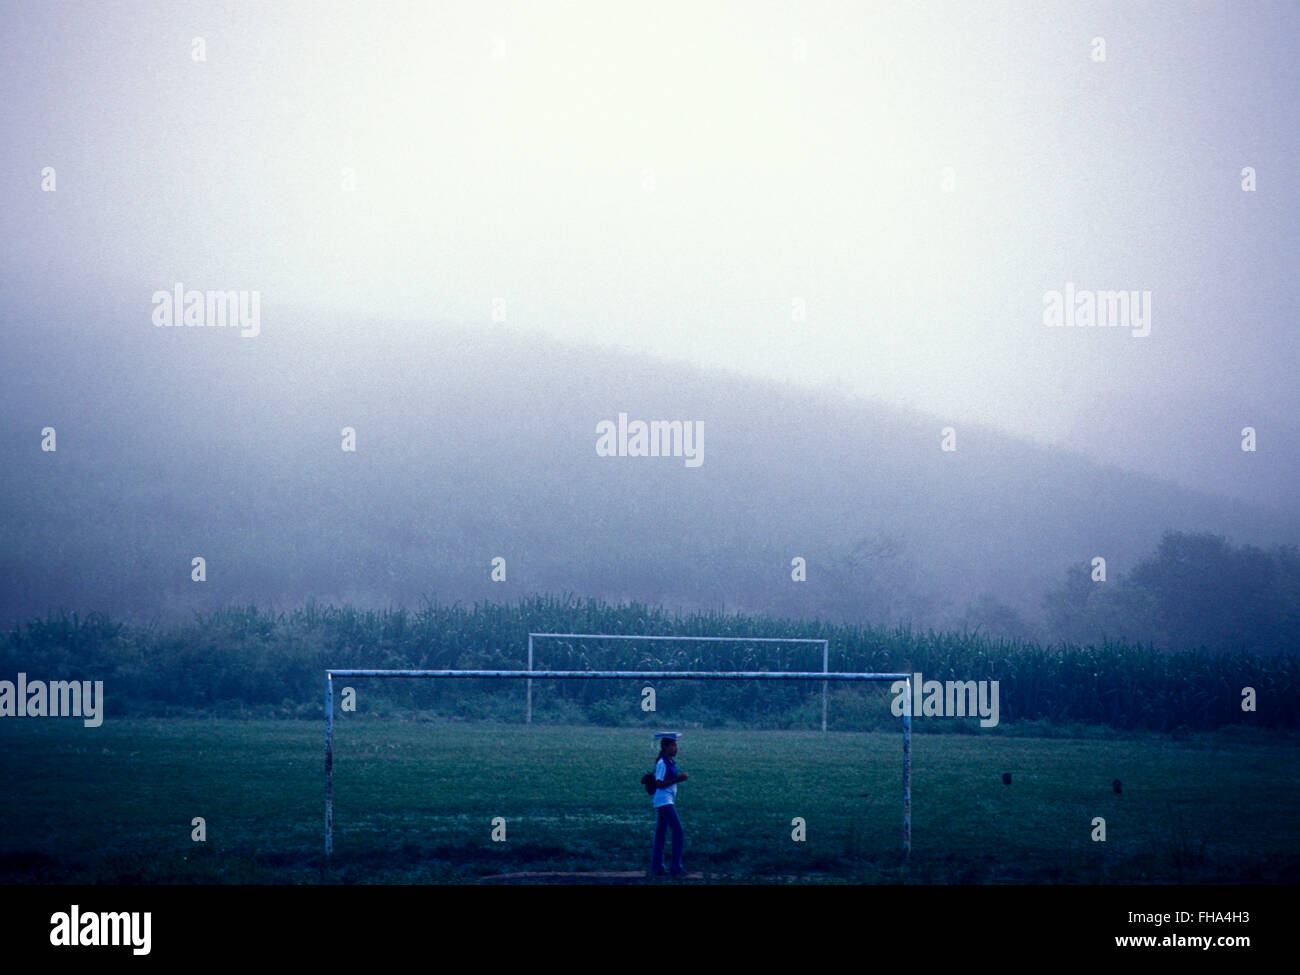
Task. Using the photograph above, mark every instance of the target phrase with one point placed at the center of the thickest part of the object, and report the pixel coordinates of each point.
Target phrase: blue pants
(667, 818)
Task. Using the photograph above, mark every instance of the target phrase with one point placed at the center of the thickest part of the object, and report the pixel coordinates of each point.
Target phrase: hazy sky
(682, 179)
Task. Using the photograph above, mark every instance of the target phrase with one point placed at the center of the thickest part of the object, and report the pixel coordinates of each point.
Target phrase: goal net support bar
(529, 675)
(643, 638)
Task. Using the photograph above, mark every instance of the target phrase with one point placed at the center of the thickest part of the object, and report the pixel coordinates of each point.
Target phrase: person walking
(665, 804)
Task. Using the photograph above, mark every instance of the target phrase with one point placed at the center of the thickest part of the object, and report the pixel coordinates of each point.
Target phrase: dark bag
(648, 780)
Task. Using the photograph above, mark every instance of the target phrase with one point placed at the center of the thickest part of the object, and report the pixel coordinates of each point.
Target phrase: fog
(476, 232)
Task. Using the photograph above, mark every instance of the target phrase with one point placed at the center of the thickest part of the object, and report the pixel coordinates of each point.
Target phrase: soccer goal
(642, 638)
(528, 675)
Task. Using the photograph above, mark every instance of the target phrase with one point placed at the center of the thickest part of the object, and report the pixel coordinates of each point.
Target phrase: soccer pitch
(415, 802)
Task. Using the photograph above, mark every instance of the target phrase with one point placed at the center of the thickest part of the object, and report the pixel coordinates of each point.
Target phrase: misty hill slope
(477, 443)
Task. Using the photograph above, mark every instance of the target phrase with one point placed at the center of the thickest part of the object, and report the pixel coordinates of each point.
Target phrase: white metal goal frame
(617, 675)
(825, 645)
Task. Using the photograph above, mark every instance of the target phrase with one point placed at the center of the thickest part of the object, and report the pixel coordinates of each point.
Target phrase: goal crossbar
(529, 675)
(643, 637)
(625, 674)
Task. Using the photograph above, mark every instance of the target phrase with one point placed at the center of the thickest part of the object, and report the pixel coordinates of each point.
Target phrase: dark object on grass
(1118, 786)
(1006, 778)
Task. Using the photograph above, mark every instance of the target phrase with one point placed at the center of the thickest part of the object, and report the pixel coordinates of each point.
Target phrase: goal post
(528, 675)
(825, 645)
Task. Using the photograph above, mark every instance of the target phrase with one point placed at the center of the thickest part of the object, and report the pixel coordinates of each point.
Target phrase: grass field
(415, 801)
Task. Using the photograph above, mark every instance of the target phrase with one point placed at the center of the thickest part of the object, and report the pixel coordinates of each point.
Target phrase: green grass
(415, 800)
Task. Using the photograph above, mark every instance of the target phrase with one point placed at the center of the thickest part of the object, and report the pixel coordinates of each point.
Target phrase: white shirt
(668, 796)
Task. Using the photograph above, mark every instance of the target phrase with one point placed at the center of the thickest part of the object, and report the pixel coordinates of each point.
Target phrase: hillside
(474, 443)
